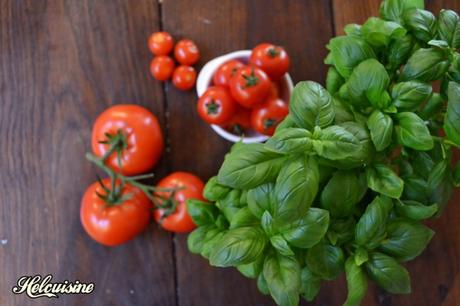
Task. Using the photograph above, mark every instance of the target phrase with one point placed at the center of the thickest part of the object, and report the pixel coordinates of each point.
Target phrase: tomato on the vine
(184, 77)
(240, 123)
(186, 52)
(226, 71)
(265, 118)
(272, 59)
(114, 219)
(160, 43)
(162, 67)
(171, 213)
(216, 105)
(130, 137)
(250, 86)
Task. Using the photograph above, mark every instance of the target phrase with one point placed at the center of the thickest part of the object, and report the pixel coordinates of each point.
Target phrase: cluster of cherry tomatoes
(126, 142)
(163, 67)
(245, 96)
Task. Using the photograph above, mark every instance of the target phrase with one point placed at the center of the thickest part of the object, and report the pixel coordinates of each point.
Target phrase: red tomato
(216, 105)
(162, 67)
(136, 134)
(184, 77)
(270, 58)
(160, 43)
(240, 123)
(226, 71)
(179, 221)
(275, 91)
(250, 86)
(265, 118)
(114, 223)
(186, 52)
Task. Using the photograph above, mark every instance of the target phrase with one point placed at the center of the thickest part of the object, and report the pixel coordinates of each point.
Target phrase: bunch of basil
(349, 175)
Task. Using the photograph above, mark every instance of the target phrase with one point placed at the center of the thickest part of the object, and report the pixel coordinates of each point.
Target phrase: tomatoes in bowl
(240, 123)
(216, 105)
(226, 71)
(250, 86)
(272, 59)
(265, 118)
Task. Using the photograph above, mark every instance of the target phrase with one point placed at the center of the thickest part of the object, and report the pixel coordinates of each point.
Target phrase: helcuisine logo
(38, 286)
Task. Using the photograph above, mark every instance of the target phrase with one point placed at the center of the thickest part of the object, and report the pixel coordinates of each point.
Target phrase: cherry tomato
(134, 132)
(114, 223)
(160, 43)
(216, 105)
(265, 118)
(184, 77)
(275, 91)
(240, 123)
(270, 58)
(189, 187)
(226, 71)
(162, 67)
(186, 52)
(250, 86)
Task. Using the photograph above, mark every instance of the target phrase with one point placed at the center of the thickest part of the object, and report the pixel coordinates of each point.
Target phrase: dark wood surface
(63, 62)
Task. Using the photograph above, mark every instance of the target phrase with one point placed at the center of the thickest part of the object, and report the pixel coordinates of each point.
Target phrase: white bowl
(204, 81)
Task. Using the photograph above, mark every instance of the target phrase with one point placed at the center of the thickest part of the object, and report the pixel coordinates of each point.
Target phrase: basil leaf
(196, 239)
(432, 107)
(381, 128)
(230, 205)
(253, 269)
(342, 111)
(213, 191)
(361, 256)
(378, 32)
(335, 142)
(281, 245)
(415, 188)
(452, 117)
(290, 141)
(382, 179)
(325, 260)
(421, 23)
(356, 283)
(406, 239)
(449, 28)
(343, 191)
(333, 80)
(347, 52)
(202, 213)
(250, 165)
(353, 29)
(388, 273)
(211, 239)
(287, 122)
(244, 217)
(425, 65)
(268, 224)
(310, 284)
(394, 9)
(370, 229)
(415, 210)
(311, 105)
(308, 230)
(440, 184)
(409, 95)
(412, 132)
(399, 51)
(342, 230)
(260, 199)
(423, 164)
(262, 284)
(282, 274)
(295, 188)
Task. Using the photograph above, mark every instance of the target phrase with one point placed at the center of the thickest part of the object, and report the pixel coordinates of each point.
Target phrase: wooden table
(63, 62)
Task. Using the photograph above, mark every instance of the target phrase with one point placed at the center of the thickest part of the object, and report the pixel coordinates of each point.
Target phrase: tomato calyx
(268, 123)
(113, 195)
(272, 52)
(251, 80)
(117, 143)
(212, 107)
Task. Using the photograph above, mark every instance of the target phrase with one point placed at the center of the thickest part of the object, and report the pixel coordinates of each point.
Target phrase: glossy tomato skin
(114, 225)
(275, 91)
(265, 118)
(160, 43)
(272, 59)
(184, 77)
(226, 71)
(240, 123)
(186, 52)
(216, 105)
(143, 135)
(192, 188)
(162, 67)
(250, 86)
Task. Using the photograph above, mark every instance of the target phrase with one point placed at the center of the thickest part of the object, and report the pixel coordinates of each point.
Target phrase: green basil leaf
(388, 273)
(343, 231)
(325, 260)
(452, 117)
(382, 179)
(308, 230)
(238, 246)
(335, 142)
(334, 80)
(347, 52)
(196, 239)
(260, 199)
(421, 23)
(295, 188)
(449, 28)
(361, 256)
(211, 239)
(262, 284)
(415, 188)
(281, 245)
(399, 51)
(381, 128)
(412, 132)
(456, 175)
(342, 111)
(282, 274)
(213, 191)
(244, 217)
(406, 239)
(415, 210)
(425, 65)
(230, 204)
(356, 283)
(409, 95)
(290, 141)
(268, 224)
(288, 122)
(379, 33)
(432, 107)
(253, 269)
(394, 9)
(353, 29)
(311, 105)
(439, 43)
(250, 165)
(423, 164)
(202, 213)
(440, 184)
(310, 284)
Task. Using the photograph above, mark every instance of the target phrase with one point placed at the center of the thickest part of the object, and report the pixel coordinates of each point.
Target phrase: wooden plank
(61, 64)
(303, 27)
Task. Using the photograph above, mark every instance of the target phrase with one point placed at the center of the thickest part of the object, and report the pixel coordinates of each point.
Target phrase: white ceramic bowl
(204, 81)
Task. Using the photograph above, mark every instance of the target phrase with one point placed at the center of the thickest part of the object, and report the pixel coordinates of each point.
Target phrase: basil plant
(349, 176)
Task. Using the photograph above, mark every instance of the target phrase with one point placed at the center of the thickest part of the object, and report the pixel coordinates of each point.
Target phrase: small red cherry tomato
(265, 118)
(272, 59)
(226, 71)
(160, 43)
(250, 86)
(275, 91)
(186, 52)
(240, 123)
(162, 67)
(216, 105)
(184, 77)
